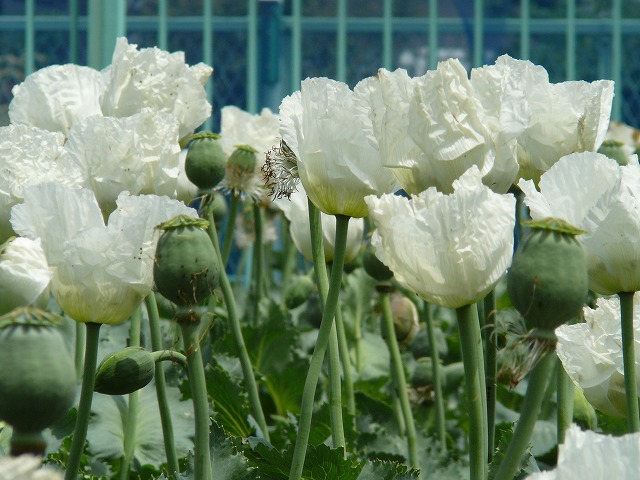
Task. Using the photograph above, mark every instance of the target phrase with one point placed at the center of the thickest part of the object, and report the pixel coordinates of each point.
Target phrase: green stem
(437, 376)
(335, 392)
(79, 348)
(288, 253)
(169, 356)
(397, 409)
(236, 333)
(565, 401)
(86, 396)
(197, 382)
(490, 366)
(161, 388)
(258, 252)
(397, 373)
(528, 415)
(345, 359)
(315, 366)
(131, 421)
(629, 360)
(231, 225)
(471, 348)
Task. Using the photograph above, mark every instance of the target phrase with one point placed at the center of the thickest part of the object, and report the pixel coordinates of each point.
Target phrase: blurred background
(261, 49)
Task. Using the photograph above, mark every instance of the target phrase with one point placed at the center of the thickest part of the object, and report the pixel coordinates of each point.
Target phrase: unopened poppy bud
(125, 371)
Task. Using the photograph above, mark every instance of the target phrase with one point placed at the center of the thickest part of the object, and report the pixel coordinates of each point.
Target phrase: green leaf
(504, 434)
(106, 428)
(230, 402)
(377, 470)
(321, 463)
(226, 462)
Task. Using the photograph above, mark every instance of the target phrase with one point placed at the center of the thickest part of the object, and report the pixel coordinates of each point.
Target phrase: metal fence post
(269, 32)
(107, 22)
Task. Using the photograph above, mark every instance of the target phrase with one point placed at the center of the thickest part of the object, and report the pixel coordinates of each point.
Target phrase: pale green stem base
(131, 420)
(529, 414)
(490, 367)
(315, 366)
(399, 380)
(629, 360)
(79, 349)
(345, 359)
(335, 391)
(86, 397)
(161, 388)
(471, 348)
(231, 225)
(238, 339)
(197, 382)
(441, 430)
(565, 389)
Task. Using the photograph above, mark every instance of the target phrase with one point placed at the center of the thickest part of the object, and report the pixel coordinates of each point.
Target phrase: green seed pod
(420, 346)
(374, 267)
(313, 311)
(299, 291)
(451, 376)
(125, 371)
(186, 268)
(615, 150)
(37, 376)
(206, 162)
(219, 207)
(547, 281)
(423, 373)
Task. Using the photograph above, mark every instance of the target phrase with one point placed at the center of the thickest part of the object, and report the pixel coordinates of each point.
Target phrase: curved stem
(529, 414)
(335, 391)
(345, 358)
(161, 388)
(565, 401)
(490, 366)
(86, 397)
(471, 348)
(236, 333)
(197, 382)
(169, 356)
(437, 376)
(629, 360)
(231, 225)
(315, 366)
(258, 253)
(131, 421)
(399, 380)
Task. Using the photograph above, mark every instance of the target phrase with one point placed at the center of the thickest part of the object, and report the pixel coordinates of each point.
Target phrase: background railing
(261, 49)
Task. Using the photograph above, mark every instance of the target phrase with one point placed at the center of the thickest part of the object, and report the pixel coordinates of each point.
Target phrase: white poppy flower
(607, 207)
(237, 127)
(186, 191)
(450, 249)
(101, 272)
(331, 135)
(296, 209)
(138, 154)
(26, 467)
(591, 354)
(56, 97)
(24, 275)
(593, 456)
(28, 156)
(431, 129)
(154, 79)
(566, 117)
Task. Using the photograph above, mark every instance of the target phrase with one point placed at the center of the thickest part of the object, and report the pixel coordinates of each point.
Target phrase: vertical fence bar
(207, 51)
(433, 34)
(252, 57)
(571, 40)
(478, 33)
(74, 14)
(163, 24)
(341, 40)
(525, 32)
(29, 36)
(616, 58)
(296, 45)
(387, 35)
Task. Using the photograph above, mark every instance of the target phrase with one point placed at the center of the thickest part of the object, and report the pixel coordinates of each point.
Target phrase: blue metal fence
(261, 49)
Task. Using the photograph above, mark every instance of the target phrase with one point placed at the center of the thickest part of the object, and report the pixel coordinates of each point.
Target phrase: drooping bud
(125, 371)
(374, 267)
(298, 291)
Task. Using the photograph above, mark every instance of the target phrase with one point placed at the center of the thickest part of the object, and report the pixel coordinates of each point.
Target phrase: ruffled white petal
(138, 154)
(154, 79)
(450, 249)
(260, 131)
(24, 275)
(28, 156)
(56, 97)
